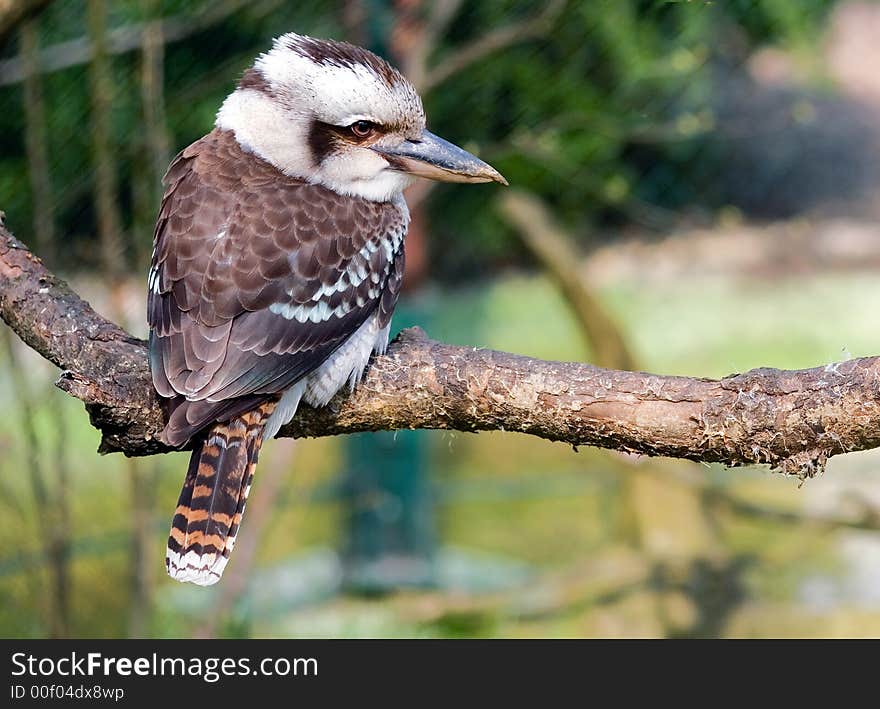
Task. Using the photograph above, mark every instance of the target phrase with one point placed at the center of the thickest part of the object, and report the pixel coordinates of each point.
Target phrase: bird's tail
(214, 494)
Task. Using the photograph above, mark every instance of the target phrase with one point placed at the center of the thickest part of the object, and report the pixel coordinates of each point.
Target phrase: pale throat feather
(263, 126)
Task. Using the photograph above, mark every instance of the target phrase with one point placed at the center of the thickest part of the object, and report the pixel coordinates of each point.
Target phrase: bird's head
(338, 115)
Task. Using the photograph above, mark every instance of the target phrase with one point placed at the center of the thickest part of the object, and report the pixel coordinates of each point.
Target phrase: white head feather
(301, 81)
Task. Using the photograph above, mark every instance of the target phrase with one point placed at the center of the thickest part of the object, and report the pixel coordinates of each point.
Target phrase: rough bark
(56, 507)
(792, 420)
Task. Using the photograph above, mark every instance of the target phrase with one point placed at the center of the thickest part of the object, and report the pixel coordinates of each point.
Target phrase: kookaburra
(277, 263)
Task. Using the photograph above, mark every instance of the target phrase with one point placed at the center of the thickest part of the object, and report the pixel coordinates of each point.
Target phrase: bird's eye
(362, 129)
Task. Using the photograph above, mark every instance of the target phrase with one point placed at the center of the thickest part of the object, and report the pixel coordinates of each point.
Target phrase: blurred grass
(698, 327)
(505, 494)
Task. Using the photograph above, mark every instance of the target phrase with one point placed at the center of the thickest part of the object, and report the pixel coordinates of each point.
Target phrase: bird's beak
(437, 159)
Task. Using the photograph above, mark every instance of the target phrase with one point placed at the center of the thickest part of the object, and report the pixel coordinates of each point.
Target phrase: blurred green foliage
(610, 118)
(603, 113)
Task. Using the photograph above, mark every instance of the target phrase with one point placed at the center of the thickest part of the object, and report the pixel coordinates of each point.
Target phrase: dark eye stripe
(324, 137)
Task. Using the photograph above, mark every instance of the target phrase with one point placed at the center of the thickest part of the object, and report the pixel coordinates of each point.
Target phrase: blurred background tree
(601, 108)
(681, 166)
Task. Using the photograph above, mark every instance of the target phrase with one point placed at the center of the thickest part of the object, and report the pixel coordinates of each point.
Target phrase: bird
(277, 262)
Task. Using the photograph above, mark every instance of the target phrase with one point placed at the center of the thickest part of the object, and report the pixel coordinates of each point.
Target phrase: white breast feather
(345, 366)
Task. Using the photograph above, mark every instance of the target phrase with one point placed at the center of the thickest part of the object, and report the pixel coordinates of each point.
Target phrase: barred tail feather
(213, 498)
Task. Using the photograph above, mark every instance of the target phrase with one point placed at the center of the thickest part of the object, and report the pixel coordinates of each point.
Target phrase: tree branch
(793, 420)
(497, 39)
(128, 38)
(14, 12)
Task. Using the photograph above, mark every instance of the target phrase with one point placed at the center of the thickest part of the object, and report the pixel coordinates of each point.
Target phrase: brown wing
(256, 279)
